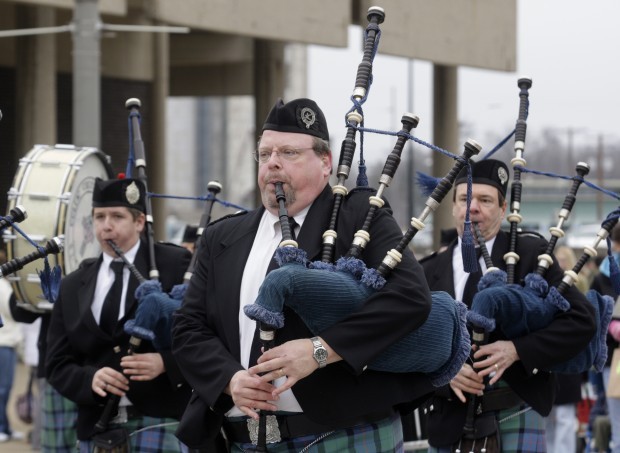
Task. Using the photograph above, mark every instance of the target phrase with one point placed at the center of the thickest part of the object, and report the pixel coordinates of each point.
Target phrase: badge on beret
(132, 193)
(502, 175)
(308, 117)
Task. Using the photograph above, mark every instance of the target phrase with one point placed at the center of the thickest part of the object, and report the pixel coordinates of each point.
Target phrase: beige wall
(476, 33)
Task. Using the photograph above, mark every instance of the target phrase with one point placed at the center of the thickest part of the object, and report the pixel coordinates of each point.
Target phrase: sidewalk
(19, 386)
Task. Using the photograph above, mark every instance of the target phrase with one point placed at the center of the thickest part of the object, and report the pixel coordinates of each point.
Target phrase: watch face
(320, 354)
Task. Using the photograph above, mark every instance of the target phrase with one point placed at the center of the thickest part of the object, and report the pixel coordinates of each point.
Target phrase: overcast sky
(570, 49)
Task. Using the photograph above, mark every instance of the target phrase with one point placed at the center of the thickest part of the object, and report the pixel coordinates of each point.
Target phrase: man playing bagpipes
(497, 402)
(323, 396)
(87, 359)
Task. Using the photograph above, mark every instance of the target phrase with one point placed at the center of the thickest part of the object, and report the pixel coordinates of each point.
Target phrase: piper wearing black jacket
(82, 363)
(336, 404)
(518, 363)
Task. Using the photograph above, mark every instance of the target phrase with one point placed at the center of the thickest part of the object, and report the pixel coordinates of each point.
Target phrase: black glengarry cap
(488, 171)
(129, 193)
(301, 116)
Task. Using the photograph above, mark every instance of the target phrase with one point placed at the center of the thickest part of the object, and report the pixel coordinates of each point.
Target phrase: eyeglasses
(262, 155)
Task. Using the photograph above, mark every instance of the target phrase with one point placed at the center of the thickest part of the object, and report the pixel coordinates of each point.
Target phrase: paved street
(14, 446)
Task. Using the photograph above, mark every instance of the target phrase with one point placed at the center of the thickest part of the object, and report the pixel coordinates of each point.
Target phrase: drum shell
(55, 185)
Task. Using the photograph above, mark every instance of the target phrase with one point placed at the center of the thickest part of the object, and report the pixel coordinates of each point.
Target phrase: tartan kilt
(146, 435)
(58, 422)
(522, 433)
(382, 436)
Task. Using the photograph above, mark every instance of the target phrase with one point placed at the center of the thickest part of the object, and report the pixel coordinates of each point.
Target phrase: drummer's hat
(301, 116)
(129, 193)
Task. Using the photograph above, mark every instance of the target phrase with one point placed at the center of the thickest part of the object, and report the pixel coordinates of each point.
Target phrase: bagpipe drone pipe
(514, 310)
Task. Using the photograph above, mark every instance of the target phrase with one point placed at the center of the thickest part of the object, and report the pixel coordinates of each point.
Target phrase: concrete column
(157, 171)
(86, 75)
(269, 82)
(296, 71)
(445, 135)
(35, 80)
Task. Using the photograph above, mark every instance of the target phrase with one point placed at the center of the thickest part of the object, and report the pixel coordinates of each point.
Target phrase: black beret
(301, 116)
(129, 193)
(488, 171)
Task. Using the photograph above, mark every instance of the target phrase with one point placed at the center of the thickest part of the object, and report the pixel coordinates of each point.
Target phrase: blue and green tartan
(382, 436)
(521, 429)
(147, 435)
(522, 433)
(58, 422)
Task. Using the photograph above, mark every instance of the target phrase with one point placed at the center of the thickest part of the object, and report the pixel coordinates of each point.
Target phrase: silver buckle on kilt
(273, 430)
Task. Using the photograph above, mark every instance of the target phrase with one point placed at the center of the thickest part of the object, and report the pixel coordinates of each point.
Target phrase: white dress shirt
(105, 279)
(268, 237)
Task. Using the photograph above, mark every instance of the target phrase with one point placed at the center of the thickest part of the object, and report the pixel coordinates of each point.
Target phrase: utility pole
(600, 176)
(410, 161)
(569, 159)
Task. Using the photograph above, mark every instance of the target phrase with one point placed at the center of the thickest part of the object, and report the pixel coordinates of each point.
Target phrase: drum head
(55, 186)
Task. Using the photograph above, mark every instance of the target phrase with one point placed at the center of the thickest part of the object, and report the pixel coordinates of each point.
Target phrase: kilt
(382, 436)
(147, 435)
(58, 422)
(522, 433)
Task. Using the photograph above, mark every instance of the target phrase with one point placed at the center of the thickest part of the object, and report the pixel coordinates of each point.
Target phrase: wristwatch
(320, 353)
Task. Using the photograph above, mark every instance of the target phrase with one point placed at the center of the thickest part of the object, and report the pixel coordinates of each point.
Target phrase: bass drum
(55, 186)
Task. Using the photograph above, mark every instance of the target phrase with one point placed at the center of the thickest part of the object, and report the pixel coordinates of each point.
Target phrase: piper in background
(508, 417)
(87, 347)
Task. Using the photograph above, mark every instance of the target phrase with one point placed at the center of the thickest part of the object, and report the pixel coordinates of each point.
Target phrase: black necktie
(112, 301)
(255, 351)
(471, 287)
